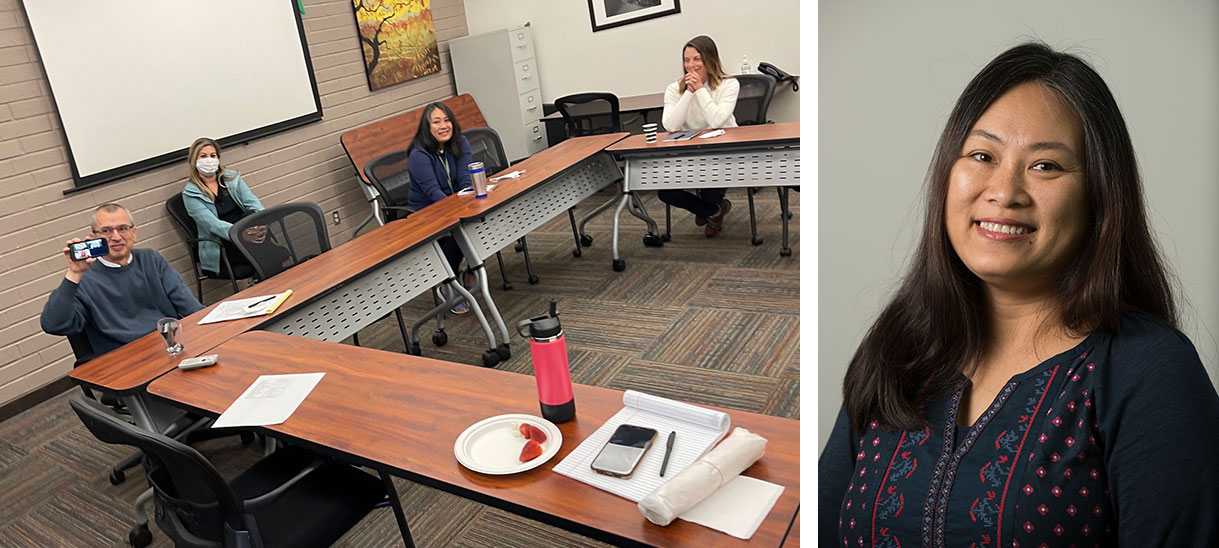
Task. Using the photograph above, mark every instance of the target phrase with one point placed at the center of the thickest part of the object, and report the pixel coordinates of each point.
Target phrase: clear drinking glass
(170, 328)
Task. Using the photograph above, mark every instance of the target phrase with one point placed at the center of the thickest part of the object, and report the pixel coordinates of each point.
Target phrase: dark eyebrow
(1042, 145)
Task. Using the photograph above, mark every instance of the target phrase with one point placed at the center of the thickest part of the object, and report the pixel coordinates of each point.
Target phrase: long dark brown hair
(424, 138)
(935, 328)
(705, 47)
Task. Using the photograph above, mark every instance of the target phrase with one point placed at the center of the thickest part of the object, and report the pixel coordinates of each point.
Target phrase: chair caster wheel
(586, 240)
(490, 358)
(414, 349)
(755, 241)
(507, 286)
(666, 237)
(653, 240)
(619, 265)
(517, 248)
(785, 253)
(117, 477)
(440, 338)
(533, 280)
(576, 253)
(139, 536)
(789, 216)
(504, 351)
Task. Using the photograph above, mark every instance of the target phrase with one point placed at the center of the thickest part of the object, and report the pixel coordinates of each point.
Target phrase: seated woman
(216, 198)
(703, 98)
(439, 166)
(1027, 385)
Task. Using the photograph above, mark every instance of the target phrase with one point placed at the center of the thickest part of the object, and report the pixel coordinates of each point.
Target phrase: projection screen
(136, 82)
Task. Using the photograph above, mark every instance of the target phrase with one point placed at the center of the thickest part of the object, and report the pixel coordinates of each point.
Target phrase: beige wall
(306, 163)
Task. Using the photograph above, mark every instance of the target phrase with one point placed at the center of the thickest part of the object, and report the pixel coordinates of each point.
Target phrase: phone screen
(625, 449)
(91, 248)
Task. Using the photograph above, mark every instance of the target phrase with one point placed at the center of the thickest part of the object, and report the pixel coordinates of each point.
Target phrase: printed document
(270, 400)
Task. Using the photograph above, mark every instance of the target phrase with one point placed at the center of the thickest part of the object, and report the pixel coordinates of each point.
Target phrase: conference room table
(749, 156)
(402, 414)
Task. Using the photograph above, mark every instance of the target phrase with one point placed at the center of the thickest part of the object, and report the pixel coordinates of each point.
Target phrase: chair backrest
(367, 142)
(593, 113)
(177, 209)
(81, 348)
(753, 100)
(295, 232)
(486, 147)
(388, 175)
(190, 493)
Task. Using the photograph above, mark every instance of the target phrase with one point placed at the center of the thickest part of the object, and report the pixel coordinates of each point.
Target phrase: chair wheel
(117, 477)
(440, 338)
(789, 216)
(666, 237)
(755, 241)
(414, 350)
(533, 280)
(490, 358)
(517, 248)
(653, 240)
(504, 351)
(507, 286)
(576, 253)
(785, 253)
(139, 536)
(586, 240)
(619, 265)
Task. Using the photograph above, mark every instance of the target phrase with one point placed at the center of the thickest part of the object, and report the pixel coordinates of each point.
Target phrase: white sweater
(702, 109)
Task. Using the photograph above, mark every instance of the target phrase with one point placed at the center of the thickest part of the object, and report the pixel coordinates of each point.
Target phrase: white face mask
(207, 166)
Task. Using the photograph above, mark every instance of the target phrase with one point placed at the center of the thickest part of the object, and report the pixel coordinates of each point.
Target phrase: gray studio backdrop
(889, 73)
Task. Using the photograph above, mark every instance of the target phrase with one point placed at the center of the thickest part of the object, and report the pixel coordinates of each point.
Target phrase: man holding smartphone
(118, 297)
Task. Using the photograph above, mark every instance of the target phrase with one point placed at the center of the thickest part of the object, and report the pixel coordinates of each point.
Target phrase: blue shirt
(431, 175)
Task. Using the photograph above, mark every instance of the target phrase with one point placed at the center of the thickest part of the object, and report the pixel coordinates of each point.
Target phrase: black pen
(271, 298)
(668, 451)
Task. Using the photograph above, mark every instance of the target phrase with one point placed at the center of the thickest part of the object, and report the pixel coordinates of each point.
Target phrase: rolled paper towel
(698, 481)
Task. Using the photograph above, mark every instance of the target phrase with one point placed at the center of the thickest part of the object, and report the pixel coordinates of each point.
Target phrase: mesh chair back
(186, 223)
(593, 113)
(753, 99)
(280, 237)
(388, 175)
(486, 147)
(189, 491)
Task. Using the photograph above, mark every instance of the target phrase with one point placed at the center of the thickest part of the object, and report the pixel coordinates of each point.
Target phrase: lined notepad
(698, 429)
(245, 308)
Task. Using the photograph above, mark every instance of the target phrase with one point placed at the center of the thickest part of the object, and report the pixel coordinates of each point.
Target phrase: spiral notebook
(698, 430)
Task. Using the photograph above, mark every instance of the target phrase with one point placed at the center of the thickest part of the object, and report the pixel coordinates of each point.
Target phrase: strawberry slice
(532, 432)
(532, 450)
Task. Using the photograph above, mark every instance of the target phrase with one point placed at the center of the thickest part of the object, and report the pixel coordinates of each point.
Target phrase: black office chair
(291, 234)
(82, 349)
(190, 233)
(388, 175)
(486, 147)
(289, 498)
(593, 113)
(753, 100)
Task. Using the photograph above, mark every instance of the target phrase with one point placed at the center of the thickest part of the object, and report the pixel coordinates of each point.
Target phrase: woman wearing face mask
(216, 198)
(703, 98)
(439, 166)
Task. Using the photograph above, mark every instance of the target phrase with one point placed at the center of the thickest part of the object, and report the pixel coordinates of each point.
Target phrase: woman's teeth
(1004, 229)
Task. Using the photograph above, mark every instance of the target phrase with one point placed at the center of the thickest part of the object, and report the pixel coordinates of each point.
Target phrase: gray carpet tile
(80, 516)
(39, 425)
(26, 484)
(785, 401)
(655, 284)
(720, 388)
(761, 290)
(80, 453)
(499, 529)
(614, 327)
(728, 340)
(10, 454)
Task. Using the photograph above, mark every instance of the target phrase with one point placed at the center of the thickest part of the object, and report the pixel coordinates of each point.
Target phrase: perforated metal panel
(534, 208)
(366, 299)
(760, 167)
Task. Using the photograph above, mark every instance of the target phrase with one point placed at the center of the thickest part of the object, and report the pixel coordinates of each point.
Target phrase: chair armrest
(406, 211)
(264, 499)
(197, 240)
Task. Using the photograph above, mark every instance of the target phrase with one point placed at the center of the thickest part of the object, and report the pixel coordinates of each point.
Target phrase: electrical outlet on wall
(336, 217)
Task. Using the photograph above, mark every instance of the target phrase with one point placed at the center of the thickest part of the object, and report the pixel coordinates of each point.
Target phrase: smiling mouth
(1005, 229)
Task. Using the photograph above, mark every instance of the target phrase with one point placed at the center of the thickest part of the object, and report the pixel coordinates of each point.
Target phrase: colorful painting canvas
(399, 40)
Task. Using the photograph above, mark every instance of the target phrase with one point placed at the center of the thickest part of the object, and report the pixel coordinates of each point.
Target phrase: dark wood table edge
(792, 523)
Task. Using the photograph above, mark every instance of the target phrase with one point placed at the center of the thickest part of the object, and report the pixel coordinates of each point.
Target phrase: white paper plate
(493, 445)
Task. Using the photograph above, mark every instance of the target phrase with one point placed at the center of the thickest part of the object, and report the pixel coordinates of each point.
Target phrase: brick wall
(306, 163)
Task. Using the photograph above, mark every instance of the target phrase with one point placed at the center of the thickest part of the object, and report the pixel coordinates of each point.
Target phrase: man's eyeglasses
(108, 230)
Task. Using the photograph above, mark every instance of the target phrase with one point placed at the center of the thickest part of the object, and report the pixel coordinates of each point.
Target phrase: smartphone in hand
(625, 451)
(88, 249)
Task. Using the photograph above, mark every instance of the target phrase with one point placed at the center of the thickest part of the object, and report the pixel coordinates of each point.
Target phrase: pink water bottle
(550, 366)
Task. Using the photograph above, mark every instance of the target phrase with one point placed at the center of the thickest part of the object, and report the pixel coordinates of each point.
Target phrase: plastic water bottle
(550, 366)
(745, 65)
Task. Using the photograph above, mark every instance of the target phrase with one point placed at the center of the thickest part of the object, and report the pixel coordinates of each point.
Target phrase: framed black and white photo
(607, 14)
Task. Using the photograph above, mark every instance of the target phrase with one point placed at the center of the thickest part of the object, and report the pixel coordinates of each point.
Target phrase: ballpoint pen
(668, 451)
(255, 304)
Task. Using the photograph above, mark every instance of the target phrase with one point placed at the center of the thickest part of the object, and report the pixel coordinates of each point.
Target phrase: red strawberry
(532, 450)
(532, 432)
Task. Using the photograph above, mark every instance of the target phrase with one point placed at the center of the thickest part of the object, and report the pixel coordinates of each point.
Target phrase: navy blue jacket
(428, 178)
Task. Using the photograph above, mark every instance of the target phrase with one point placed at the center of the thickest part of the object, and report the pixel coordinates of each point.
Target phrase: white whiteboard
(135, 82)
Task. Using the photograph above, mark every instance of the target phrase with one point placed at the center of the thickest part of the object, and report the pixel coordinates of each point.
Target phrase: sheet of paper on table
(737, 508)
(271, 399)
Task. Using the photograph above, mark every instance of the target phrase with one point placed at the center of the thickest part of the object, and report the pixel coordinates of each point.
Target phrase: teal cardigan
(203, 210)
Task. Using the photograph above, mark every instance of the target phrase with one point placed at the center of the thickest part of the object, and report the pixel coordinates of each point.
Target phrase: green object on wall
(300, 5)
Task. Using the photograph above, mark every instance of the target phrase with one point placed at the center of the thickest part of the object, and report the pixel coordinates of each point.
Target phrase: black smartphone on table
(88, 249)
(625, 451)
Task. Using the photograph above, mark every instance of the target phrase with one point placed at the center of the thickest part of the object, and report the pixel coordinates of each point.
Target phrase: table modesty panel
(403, 413)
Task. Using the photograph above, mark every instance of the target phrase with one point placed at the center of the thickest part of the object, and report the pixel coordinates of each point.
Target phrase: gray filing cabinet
(500, 71)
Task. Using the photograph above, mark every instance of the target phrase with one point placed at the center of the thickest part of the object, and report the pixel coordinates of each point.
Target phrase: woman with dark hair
(704, 97)
(1027, 383)
(439, 166)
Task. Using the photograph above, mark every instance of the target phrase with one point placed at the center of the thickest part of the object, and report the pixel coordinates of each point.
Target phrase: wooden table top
(405, 412)
(135, 364)
(538, 169)
(759, 134)
(626, 105)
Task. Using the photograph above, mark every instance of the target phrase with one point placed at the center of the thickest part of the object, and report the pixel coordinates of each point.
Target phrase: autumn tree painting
(398, 38)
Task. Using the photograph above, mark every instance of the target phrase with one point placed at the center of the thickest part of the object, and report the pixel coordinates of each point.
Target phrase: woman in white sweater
(703, 98)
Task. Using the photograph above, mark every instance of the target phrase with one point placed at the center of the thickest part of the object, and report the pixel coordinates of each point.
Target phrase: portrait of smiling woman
(1026, 384)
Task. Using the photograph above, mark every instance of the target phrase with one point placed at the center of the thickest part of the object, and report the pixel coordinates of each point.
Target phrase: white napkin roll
(721, 465)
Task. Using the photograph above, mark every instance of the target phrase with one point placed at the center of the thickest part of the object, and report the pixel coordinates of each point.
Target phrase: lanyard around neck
(447, 175)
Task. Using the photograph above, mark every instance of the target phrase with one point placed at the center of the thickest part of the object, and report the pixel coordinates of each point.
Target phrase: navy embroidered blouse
(1112, 443)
